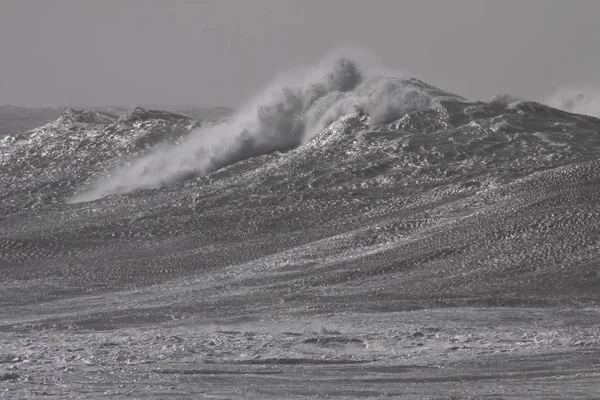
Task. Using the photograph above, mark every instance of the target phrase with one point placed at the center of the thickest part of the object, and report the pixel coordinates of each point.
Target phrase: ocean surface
(347, 233)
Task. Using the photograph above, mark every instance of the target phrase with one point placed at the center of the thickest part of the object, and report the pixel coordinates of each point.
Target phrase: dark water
(431, 248)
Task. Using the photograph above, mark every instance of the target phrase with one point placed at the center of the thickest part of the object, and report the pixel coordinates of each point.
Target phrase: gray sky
(221, 52)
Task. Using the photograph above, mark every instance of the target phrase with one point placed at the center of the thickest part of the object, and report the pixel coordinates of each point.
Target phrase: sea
(347, 233)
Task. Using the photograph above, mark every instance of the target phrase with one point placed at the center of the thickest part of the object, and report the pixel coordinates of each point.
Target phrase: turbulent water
(373, 234)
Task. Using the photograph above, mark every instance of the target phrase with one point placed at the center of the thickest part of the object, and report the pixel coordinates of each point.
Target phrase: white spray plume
(288, 112)
(579, 100)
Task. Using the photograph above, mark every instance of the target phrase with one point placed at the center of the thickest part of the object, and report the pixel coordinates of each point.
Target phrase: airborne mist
(583, 100)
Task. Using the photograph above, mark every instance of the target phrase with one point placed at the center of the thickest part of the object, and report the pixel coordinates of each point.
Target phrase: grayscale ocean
(347, 233)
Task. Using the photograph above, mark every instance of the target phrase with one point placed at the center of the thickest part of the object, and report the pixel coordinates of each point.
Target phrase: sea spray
(287, 113)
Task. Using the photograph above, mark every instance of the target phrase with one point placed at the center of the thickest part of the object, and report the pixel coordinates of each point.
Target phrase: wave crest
(290, 111)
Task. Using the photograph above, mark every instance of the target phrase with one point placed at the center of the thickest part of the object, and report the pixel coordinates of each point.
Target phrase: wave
(290, 111)
(577, 100)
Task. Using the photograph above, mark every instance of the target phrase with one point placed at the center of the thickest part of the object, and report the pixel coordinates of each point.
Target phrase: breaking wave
(287, 113)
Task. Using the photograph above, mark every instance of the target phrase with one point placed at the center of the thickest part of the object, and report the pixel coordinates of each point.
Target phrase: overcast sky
(220, 52)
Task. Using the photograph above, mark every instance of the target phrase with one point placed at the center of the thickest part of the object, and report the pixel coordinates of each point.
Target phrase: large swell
(291, 110)
(346, 259)
(368, 186)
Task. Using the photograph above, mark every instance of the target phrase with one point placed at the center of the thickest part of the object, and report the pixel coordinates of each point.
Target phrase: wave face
(337, 187)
